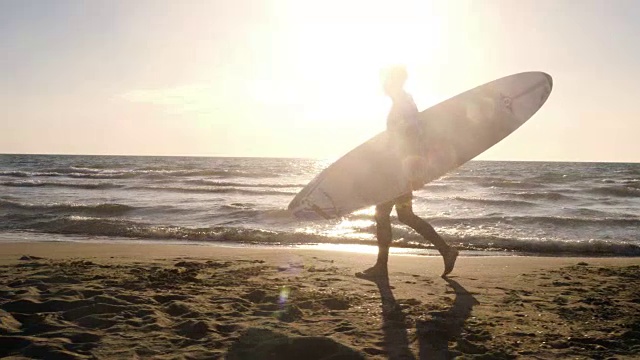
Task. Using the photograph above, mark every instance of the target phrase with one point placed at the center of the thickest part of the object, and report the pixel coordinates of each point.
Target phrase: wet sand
(128, 301)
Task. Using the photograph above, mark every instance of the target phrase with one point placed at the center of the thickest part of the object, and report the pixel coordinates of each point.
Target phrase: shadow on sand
(433, 335)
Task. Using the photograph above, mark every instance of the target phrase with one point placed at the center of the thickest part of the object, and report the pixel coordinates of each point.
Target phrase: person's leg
(383, 233)
(404, 208)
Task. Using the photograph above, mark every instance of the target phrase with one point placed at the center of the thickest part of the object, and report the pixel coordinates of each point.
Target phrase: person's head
(393, 79)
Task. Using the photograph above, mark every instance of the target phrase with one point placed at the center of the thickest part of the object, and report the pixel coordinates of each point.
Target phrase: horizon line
(306, 158)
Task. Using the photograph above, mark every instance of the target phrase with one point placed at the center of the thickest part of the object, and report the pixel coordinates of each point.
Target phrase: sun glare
(336, 51)
(315, 70)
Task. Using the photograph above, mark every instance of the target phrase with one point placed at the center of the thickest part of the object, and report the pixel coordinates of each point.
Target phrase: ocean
(483, 207)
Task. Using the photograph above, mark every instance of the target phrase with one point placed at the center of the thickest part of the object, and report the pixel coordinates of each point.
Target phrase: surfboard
(454, 132)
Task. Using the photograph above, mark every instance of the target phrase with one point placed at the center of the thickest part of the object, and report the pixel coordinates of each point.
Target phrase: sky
(276, 78)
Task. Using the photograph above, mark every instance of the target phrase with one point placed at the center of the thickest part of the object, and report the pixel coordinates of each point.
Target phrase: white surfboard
(455, 131)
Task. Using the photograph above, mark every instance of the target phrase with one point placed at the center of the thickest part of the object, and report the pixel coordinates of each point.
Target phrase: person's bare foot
(449, 257)
(373, 273)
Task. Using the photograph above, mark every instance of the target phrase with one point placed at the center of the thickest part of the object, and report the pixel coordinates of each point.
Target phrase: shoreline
(97, 300)
(34, 238)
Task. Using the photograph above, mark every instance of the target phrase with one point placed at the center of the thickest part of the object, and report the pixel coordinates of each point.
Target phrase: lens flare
(284, 295)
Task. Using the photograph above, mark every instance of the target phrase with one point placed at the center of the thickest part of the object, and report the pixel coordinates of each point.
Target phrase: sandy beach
(126, 301)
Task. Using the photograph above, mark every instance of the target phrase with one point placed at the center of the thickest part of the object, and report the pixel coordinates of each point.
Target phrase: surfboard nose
(549, 80)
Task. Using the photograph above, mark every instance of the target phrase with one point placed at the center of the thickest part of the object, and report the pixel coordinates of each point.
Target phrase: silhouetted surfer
(405, 135)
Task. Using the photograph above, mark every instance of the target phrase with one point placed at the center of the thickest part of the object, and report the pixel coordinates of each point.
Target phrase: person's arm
(414, 149)
(412, 127)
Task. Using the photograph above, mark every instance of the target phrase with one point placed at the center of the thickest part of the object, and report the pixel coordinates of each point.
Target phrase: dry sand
(135, 301)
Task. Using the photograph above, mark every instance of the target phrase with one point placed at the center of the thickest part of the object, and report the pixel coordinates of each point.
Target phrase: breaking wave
(82, 225)
(87, 186)
(109, 209)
